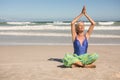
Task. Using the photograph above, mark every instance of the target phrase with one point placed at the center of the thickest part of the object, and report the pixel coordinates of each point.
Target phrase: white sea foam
(19, 23)
(42, 27)
(105, 28)
(105, 23)
(105, 36)
(87, 23)
(58, 23)
(53, 34)
(51, 27)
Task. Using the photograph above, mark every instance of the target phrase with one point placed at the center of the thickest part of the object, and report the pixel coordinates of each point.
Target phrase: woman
(80, 44)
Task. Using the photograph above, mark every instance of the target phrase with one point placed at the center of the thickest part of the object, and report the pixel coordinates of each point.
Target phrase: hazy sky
(58, 9)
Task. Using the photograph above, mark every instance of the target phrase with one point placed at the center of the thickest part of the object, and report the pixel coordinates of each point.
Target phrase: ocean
(55, 33)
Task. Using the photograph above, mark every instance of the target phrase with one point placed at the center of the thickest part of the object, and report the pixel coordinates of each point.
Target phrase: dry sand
(44, 63)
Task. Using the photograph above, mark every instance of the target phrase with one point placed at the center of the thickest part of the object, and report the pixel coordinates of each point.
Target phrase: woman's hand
(84, 10)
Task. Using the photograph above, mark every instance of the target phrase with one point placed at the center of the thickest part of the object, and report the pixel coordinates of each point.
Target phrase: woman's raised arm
(90, 30)
(73, 30)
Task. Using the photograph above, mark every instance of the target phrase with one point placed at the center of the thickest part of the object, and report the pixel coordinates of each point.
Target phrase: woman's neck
(81, 34)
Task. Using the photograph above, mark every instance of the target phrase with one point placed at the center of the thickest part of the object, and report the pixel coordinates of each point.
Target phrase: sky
(47, 10)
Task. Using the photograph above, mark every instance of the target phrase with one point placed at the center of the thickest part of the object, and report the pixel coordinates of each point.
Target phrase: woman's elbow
(93, 23)
(72, 23)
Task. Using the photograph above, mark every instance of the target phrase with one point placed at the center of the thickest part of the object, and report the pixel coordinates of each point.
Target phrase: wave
(19, 23)
(51, 27)
(87, 23)
(60, 23)
(105, 23)
(42, 27)
(57, 23)
(105, 28)
(53, 34)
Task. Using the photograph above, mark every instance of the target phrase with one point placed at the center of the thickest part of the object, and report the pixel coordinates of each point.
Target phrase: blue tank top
(80, 49)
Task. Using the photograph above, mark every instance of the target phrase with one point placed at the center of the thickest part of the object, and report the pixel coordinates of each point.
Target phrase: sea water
(55, 33)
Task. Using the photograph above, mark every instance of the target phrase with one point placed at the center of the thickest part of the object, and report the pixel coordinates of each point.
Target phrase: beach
(35, 35)
(34, 51)
(43, 62)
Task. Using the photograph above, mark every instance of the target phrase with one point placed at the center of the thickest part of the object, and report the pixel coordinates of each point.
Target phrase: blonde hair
(77, 27)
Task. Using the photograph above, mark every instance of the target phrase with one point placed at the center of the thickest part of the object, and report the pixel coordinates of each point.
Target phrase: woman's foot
(74, 66)
(90, 66)
(77, 64)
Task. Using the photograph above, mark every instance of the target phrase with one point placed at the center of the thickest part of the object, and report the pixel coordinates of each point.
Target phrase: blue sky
(58, 9)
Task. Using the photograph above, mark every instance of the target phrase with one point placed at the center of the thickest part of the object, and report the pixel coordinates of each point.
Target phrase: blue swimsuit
(80, 49)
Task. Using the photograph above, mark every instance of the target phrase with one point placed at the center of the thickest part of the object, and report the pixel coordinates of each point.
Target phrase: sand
(44, 63)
